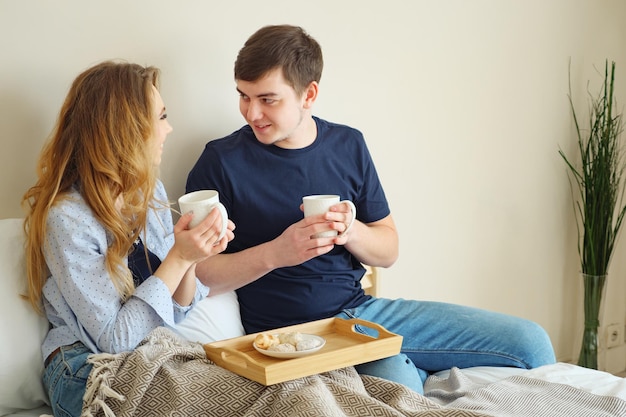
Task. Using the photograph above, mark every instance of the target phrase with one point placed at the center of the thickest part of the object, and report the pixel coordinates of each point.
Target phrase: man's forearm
(375, 244)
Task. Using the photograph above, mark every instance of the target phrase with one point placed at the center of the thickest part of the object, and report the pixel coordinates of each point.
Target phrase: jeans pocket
(70, 403)
(65, 379)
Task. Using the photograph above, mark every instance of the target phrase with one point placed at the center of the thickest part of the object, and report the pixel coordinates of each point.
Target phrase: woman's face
(161, 126)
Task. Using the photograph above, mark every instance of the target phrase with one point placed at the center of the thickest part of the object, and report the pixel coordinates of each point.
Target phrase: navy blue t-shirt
(262, 187)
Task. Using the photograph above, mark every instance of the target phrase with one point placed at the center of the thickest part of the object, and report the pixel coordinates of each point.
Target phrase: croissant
(266, 340)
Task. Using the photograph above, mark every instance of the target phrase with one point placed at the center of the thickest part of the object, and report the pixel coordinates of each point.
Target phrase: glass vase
(593, 287)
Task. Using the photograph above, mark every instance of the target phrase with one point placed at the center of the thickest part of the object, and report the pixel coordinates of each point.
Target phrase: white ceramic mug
(201, 203)
(320, 203)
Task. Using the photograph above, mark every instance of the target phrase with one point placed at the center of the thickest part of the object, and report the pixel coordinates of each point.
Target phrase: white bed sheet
(35, 412)
(595, 382)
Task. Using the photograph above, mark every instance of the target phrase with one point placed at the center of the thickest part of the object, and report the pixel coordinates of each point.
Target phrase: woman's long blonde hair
(101, 145)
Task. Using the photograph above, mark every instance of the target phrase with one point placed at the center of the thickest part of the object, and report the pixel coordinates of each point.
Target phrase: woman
(106, 265)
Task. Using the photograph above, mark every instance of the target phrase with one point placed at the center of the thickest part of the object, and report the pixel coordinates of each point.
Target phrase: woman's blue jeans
(65, 380)
(438, 336)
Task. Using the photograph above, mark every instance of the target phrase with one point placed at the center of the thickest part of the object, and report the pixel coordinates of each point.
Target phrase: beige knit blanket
(167, 376)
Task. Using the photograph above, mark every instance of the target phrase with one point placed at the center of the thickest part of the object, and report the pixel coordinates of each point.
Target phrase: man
(282, 274)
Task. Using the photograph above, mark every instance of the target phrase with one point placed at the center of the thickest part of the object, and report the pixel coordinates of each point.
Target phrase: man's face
(274, 111)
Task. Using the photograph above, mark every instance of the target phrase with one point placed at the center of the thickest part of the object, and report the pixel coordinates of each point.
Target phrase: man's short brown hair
(281, 46)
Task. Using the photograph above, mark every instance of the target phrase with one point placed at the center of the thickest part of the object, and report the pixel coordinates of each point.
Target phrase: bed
(170, 369)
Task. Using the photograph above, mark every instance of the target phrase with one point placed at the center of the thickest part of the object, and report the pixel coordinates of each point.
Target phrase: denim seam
(471, 352)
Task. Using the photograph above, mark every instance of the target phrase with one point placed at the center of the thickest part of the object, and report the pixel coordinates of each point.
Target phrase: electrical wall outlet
(614, 335)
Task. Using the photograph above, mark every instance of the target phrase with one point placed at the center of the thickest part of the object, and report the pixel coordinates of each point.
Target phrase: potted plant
(599, 208)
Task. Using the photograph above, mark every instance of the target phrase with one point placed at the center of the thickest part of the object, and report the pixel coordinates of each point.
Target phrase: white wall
(463, 103)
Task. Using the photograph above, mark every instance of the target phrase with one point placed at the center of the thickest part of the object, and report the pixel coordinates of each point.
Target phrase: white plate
(296, 354)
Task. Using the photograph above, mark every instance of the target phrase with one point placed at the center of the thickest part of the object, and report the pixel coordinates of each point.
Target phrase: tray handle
(235, 358)
(382, 332)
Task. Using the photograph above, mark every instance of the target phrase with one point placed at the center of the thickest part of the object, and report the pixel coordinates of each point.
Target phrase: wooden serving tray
(344, 347)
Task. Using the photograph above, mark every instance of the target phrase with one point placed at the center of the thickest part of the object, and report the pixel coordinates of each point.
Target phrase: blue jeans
(65, 380)
(438, 336)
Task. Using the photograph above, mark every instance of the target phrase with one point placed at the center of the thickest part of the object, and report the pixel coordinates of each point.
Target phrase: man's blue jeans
(65, 380)
(438, 336)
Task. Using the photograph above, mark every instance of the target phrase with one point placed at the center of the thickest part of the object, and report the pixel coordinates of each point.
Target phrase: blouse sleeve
(85, 295)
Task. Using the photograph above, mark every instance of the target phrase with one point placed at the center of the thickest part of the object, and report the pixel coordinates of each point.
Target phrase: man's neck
(304, 136)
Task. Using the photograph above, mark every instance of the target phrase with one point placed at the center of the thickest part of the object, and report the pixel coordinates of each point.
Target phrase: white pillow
(214, 318)
(21, 329)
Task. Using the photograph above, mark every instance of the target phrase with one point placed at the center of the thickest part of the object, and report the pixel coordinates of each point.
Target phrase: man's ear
(310, 94)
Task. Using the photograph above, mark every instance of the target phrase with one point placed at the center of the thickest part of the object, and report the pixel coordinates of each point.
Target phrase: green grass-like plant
(599, 207)
(599, 179)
